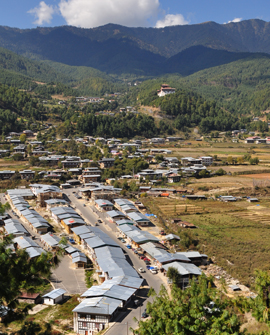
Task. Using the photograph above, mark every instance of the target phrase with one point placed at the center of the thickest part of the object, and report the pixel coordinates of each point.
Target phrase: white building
(164, 90)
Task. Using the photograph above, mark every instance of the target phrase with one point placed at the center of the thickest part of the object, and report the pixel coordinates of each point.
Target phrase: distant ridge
(116, 49)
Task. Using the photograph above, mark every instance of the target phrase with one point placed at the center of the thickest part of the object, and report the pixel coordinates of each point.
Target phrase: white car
(141, 270)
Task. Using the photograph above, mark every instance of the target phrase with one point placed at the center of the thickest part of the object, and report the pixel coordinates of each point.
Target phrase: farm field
(235, 235)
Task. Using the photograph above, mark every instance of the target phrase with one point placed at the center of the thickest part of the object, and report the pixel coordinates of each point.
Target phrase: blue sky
(154, 13)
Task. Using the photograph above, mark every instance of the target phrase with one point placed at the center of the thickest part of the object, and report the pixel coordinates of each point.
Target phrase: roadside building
(54, 297)
(93, 314)
(139, 218)
(103, 205)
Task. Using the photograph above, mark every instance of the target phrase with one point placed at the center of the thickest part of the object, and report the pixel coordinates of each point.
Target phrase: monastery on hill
(165, 89)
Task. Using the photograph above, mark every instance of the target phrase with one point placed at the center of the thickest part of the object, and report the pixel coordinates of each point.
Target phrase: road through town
(124, 320)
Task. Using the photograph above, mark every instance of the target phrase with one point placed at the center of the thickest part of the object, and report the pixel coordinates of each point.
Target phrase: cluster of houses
(257, 140)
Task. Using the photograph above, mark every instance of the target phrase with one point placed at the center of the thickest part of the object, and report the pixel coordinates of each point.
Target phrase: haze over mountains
(116, 49)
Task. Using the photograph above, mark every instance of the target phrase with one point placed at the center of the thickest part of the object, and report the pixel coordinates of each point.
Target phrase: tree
(19, 273)
(173, 275)
(199, 309)
(23, 138)
(240, 160)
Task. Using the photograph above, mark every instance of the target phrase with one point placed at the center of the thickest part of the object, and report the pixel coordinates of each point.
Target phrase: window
(93, 317)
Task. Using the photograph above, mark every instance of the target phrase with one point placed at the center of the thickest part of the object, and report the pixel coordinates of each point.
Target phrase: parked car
(154, 271)
(84, 205)
(146, 259)
(135, 251)
(71, 240)
(141, 270)
(99, 221)
(144, 314)
(136, 302)
(123, 241)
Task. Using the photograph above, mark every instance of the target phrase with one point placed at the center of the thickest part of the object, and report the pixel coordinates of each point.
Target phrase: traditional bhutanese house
(54, 297)
(50, 241)
(92, 315)
(139, 218)
(195, 197)
(106, 289)
(115, 215)
(103, 205)
(90, 178)
(79, 260)
(72, 222)
(195, 257)
(124, 221)
(14, 227)
(186, 270)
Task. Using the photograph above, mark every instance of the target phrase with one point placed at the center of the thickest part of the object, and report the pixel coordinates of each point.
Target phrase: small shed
(54, 297)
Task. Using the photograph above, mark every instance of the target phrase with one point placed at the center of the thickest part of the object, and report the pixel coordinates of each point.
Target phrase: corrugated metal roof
(34, 251)
(184, 268)
(138, 217)
(128, 281)
(50, 239)
(106, 252)
(25, 242)
(99, 305)
(54, 293)
(111, 291)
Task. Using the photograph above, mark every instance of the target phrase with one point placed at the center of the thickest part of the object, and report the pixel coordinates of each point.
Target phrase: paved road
(124, 320)
(70, 279)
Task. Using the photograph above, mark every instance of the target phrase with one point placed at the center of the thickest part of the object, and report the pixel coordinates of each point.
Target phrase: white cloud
(171, 20)
(237, 19)
(43, 13)
(94, 13)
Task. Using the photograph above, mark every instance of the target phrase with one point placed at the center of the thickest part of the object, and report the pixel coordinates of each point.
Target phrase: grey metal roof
(25, 242)
(102, 202)
(171, 237)
(111, 291)
(109, 252)
(124, 221)
(117, 267)
(35, 251)
(15, 228)
(126, 227)
(73, 220)
(54, 293)
(184, 268)
(128, 281)
(78, 257)
(122, 202)
(81, 230)
(114, 214)
(99, 305)
(190, 254)
(50, 239)
(25, 192)
(70, 249)
(138, 217)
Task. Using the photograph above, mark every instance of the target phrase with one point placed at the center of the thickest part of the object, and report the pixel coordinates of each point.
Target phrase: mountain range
(115, 49)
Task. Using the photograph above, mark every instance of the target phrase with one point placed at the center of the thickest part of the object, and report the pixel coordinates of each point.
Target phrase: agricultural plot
(235, 235)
